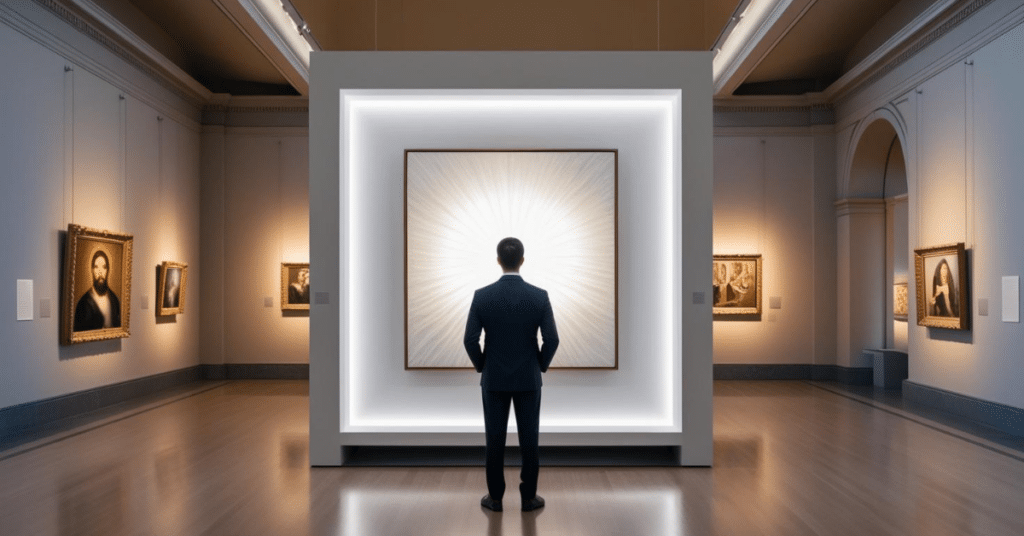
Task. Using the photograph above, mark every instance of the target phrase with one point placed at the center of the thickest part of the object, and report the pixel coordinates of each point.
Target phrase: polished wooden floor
(231, 459)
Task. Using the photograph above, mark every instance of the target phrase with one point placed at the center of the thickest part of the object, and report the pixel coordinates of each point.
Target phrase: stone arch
(868, 245)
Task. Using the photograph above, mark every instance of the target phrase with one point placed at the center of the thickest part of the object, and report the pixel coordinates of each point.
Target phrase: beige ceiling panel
(516, 25)
(346, 24)
(682, 25)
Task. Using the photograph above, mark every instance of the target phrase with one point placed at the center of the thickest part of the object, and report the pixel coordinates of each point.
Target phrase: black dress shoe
(491, 504)
(536, 502)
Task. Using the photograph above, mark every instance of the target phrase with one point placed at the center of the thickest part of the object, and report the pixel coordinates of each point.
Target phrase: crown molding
(96, 24)
(903, 46)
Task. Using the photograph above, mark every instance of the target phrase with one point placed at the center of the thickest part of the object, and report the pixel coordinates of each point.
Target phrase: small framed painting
(941, 277)
(736, 289)
(295, 286)
(97, 285)
(900, 305)
(173, 278)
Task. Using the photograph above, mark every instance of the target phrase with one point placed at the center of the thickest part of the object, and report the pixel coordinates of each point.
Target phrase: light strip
(748, 31)
(362, 106)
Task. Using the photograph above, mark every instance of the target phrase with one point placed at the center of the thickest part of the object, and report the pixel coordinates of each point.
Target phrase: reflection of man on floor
(99, 307)
(510, 312)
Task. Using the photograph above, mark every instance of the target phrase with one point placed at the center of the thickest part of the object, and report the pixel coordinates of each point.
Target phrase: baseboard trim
(1000, 416)
(256, 371)
(32, 417)
(844, 375)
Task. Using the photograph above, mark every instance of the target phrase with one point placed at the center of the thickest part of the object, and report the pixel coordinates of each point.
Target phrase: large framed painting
(97, 285)
(736, 286)
(294, 286)
(562, 204)
(171, 294)
(941, 277)
(900, 302)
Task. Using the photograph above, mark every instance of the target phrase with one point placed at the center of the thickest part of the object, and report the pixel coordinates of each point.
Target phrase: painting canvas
(97, 285)
(171, 294)
(900, 305)
(941, 277)
(295, 286)
(736, 286)
(561, 203)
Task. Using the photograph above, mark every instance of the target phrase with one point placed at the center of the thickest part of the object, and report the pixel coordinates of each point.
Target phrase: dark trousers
(527, 406)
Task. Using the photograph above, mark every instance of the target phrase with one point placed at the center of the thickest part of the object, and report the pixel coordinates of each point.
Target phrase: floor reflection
(579, 501)
(790, 459)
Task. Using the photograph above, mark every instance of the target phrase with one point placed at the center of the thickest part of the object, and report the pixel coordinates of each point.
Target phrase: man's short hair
(510, 253)
(100, 253)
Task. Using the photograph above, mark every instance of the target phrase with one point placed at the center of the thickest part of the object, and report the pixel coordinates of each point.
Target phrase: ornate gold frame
(961, 322)
(160, 309)
(75, 233)
(897, 314)
(740, 313)
(285, 306)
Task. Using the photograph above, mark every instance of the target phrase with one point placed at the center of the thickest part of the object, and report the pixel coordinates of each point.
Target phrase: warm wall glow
(560, 204)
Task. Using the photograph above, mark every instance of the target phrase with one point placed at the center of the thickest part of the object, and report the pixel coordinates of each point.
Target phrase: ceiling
(810, 45)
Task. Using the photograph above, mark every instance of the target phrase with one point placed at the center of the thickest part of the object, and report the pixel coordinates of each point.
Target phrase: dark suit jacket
(88, 316)
(510, 311)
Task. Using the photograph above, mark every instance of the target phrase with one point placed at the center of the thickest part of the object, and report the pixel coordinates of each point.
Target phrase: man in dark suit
(510, 311)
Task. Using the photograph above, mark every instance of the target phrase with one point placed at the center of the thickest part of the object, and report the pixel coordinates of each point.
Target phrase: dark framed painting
(941, 276)
(171, 294)
(97, 285)
(900, 302)
(562, 204)
(294, 286)
(736, 286)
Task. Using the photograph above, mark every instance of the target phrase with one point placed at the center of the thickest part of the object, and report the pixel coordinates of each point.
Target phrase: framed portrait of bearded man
(97, 285)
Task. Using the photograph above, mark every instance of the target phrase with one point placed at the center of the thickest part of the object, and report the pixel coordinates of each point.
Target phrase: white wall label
(25, 300)
(1011, 298)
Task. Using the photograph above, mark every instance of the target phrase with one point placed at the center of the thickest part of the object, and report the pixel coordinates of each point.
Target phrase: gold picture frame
(900, 302)
(295, 286)
(736, 292)
(170, 298)
(96, 298)
(938, 305)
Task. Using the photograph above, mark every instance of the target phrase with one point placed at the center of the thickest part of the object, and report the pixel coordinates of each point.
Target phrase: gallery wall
(255, 216)
(773, 195)
(958, 102)
(90, 140)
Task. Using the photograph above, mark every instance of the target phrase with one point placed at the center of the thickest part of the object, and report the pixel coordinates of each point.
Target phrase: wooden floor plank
(790, 459)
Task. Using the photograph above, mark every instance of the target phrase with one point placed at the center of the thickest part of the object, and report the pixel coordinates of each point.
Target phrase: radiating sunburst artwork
(561, 204)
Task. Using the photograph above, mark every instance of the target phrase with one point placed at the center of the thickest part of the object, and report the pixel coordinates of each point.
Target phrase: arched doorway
(872, 242)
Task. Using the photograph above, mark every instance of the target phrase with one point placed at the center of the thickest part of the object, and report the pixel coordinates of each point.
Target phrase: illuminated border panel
(377, 395)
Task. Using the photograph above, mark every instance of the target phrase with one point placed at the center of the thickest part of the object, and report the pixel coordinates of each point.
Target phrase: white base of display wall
(368, 108)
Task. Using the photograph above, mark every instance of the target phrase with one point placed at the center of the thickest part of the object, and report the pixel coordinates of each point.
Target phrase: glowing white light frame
(360, 108)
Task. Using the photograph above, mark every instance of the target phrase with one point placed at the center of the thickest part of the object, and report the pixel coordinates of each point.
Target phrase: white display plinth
(368, 108)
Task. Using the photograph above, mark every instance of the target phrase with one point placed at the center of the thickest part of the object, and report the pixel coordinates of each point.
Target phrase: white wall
(255, 216)
(769, 193)
(74, 150)
(960, 100)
